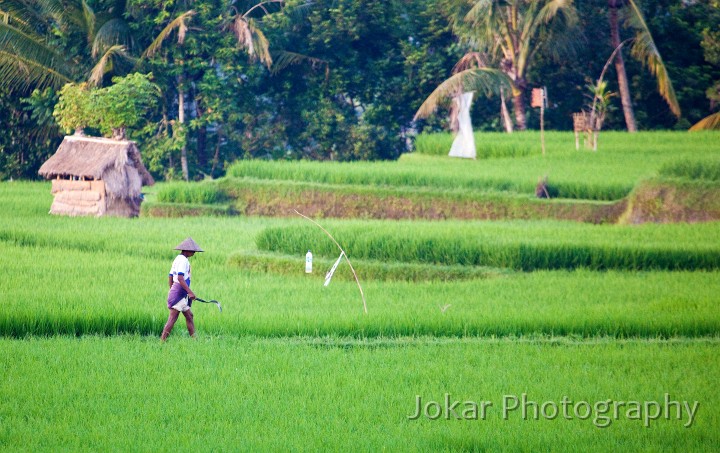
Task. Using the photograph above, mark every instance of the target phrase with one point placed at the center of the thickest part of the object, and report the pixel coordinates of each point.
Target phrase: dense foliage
(342, 79)
(111, 110)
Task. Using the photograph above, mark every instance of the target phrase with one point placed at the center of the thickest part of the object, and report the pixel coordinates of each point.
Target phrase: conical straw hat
(189, 245)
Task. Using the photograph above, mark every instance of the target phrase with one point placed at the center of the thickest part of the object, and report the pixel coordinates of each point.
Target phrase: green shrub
(74, 111)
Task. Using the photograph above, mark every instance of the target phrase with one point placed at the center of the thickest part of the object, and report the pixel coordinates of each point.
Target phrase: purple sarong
(177, 293)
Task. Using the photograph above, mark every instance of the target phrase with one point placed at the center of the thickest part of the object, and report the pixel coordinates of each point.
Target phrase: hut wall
(123, 207)
(78, 198)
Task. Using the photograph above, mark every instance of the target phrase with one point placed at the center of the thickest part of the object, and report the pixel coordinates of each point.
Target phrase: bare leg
(190, 323)
(170, 323)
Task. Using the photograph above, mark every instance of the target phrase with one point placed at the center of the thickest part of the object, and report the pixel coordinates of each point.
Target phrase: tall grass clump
(515, 245)
(195, 193)
(695, 169)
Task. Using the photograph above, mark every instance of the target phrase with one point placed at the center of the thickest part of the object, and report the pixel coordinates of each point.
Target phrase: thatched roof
(118, 162)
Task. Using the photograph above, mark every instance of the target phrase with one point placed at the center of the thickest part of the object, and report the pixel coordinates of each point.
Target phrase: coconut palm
(249, 37)
(644, 50)
(709, 123)
(471, 73)
(512, 32)
(36, 38)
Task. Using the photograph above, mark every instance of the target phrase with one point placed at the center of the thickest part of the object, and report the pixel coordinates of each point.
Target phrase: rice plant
(608, 174)
(310, 394)
(517, 245)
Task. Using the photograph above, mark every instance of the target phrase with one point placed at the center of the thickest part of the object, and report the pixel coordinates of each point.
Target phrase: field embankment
(503, 183)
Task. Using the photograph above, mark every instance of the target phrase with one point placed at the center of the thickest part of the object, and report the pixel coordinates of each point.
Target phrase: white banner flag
(330, 273)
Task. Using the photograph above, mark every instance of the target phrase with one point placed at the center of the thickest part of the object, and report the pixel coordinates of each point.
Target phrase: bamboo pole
(362, 294)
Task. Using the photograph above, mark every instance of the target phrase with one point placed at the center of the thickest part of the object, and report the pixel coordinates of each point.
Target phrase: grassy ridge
(517, 144)
(266, 197)
(693, 169)
(205, 192)
(177, 209)
(253, 394)
(370, 270)
(271, 197)
(663, 200)
(417, 170)
(609, 174)
(517, 245)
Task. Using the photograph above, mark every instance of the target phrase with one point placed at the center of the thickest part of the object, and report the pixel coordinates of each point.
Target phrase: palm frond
(63, 13)
(34, 56)
(89, 19)
(253, 40)
(14, 14)
(263, 7)
(470, 60)
(283, 59)
(106, 63)
(19, 73)
(555, 7)
(709, 123)
(480, 11)
(179, 23)
(114, 31)
(241, 28)
(480, 18)
(477, 79)
(299, 11)
(645, 50)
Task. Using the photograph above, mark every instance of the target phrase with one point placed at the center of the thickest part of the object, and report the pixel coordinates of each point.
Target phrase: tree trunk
(507, 121)
(216, 158)
(519, 110)
(181, 120)
(201, 148)
(623, 84)
(119, 133)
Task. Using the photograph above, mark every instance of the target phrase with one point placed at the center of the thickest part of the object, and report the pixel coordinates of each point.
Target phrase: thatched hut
(96, 176)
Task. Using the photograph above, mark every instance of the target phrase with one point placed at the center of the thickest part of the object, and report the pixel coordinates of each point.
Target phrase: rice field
(466, 311)
(319, 394)
(609, 174)
(516, 245)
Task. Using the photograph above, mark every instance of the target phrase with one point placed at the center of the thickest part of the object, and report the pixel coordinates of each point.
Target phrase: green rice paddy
(467, 311)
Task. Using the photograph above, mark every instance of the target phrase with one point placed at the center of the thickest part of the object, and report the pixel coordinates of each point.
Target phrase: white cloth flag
(464, 143)
(330, 273)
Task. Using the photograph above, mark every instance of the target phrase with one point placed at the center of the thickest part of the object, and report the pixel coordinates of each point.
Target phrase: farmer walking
(180, 296)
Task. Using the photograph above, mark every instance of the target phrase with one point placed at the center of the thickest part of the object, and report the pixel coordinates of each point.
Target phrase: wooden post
(538, 100)
(542, 121)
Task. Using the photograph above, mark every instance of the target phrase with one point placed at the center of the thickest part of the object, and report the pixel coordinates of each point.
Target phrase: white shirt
(181, 266)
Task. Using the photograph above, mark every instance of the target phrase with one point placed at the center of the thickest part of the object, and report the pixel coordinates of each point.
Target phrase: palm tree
(643, 49)
(32, 55)
(709, 123)
(249, 37)
(471, 73)
(512, 32)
